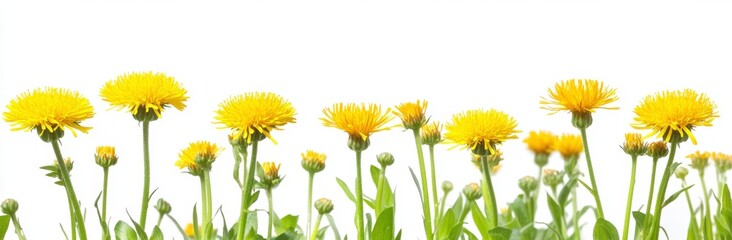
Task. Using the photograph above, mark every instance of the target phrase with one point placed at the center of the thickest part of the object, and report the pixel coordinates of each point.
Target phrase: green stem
(104, 194)
(435, 202)
(630, 198)
(535, 198)
(317, 225)
(661, 197)
(237, 165)
(146, 167)
(650, 192)
(72, 216)
(425, 190)
(466, 209)
(206, 203)
(442, 207)
(18, 229)
(695, 227)
(595, 191)
(70, 190)
(246, 193)
(271, 213)
(489, 197)
(359, 199)
(721, 180)
(529, 206)
(160, 219)
(707, 211)
(575, 216)
(310, 200)
(380, 191)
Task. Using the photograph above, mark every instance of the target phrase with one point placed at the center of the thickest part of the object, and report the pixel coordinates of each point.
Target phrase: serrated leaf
(604, 230)
(124, 232)
(674, 196)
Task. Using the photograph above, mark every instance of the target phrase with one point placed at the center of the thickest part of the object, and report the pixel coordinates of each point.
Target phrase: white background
(459, 55)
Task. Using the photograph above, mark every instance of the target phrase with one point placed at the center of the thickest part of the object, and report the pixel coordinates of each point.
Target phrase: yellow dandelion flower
(699, 160)
(671, 113)
(255, 114)
(540, 142)
(270, 177)
(105, 156)
(431, 133)
(634, 144)
(412, 114)
(359, 121)
(579, 96)
(198, 156)
(190, 231)
(48, 110)
(313, 161)
(480, 130)
(143, 93)
(569, 145)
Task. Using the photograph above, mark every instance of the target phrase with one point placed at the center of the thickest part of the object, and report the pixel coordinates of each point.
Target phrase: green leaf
(124, 231)
(500, 233)
(369, 225)
(470, 235)
(604, 230)
(4, 223)
(196, 232)
(726, 200)
(287, 223)
(446, 224)
(399, 235)
(556, 211)
(416, 183)
(480, 221)
(674, 196)
(519, 208)
(640, 219)
(332, 223)
(140, 230)
(563, 198)
(253, 198)
(384, 226)
(346, 190)
(589, 189)
(156, 234)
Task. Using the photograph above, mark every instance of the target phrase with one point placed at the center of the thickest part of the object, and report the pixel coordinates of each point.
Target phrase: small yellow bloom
(480, 130)
(105, 156)
(198, 156)
(271, 174)
(143, 93)
(657, 149)
(675, 113)
(412, 114)
(699, 160)
(313, 161)
(190, 231)
(569, 145)
(579, 96)
(431, 133)
(634, 144)
(359, 121)
(722, 161)
(48, 110)
(540, 142)
(255, 113)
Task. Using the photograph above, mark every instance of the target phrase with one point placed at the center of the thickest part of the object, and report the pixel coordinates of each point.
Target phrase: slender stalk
(466, 210)
(72, 216)
(70, 190)
(595, 191)
(707, 211)
(18, 229)
(270, 211)
(380, 190)
(442, 207)
(317, 225)
(691, 211)
(246, 193)
(146, 167)
(310, 200)
(655, 228)
(490, 197)
(575, 216)
(104, 194)
(535, 198)
(160, 219)
(721, 180)
(630, 198)
(425, 190)
(206, 203)
(237, 164)
(530, 206)
(359, 199)
(653, 181)
(435, 202)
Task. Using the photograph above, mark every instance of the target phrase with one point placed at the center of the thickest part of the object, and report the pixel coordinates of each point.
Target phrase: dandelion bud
(431, 134)
(472, 192)
(312, 161)
(323, 205)
(67, 162)
(722, 161)
(681, 172)
(657, 149)
(581, 120)
(552, 177)
(699, 160)
(357, 143)
(271, 177)
(634, 144)
(105, 156)
(528, 183)
(163, 207)
(446, 186)
(9, 206)
(385, 159)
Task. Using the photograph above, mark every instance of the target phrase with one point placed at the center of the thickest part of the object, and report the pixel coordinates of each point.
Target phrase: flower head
(412, 114)
(552, 177)
(253, 116)
(540, 142)
(723, 162)
(198, 157)
(313, 161)
(699, 160)
(528, 183)
(657, 149)
(323, 205)
(270, 176)
(359, 121)
(105, 156)
(49, 111)
(480, 130)
(579, 96)
(672, 115)
(144, 94)
(431, 133)
(569, 146)
(634, 144)
(190, 231)
(472, 191)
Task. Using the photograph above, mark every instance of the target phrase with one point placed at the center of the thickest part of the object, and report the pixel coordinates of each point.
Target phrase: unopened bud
(324, 205)
(9, 206)
(385, 159)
